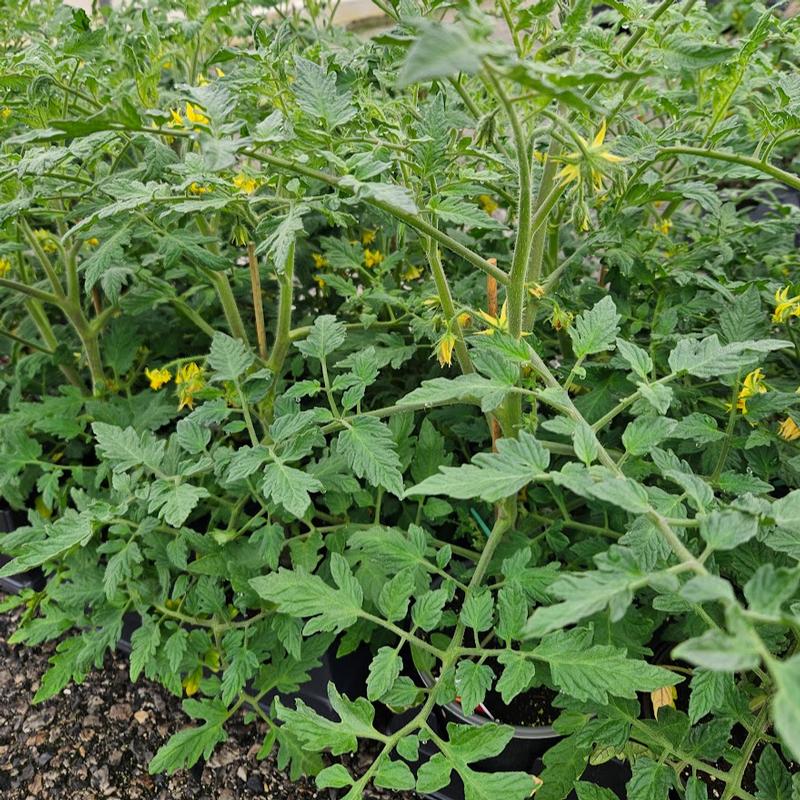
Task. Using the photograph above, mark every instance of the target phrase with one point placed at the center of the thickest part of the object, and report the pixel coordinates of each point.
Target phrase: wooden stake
(258, 308)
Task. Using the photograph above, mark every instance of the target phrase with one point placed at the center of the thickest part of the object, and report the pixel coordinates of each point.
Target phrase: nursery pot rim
(520, 731)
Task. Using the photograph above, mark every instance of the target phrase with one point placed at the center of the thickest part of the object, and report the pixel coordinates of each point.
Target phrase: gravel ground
(95, 741)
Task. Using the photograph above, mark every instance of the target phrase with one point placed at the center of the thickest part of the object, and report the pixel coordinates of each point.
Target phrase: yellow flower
(46, 240)
(464, 319)
(665, 696)
(319, 260)
(220, 73)
(368, 236)
(320, 281)
(372, 257)
(444, 349)
(5, 267)
(198, 188)
(190, 381)
(5, 112)
(752, 385)
(93, 241)
(789, 430)
(411, 273)
(539, 156)
(202, 80)
(167, 65)
(177, 119)
(664, 226)
(488, 204)
(157, 377)
(195, 115)
(244, 183)
(560, 319)
(497, 323)
(785, 306)
(593, 153)
(536, 290)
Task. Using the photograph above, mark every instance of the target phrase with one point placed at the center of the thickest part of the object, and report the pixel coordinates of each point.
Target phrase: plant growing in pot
(564, 220)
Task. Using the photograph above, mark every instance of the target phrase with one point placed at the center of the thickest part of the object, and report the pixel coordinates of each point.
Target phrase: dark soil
(95, 740)
(533, 709)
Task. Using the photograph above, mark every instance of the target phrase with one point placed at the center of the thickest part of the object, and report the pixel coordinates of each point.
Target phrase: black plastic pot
(34, 579)
(523, 753)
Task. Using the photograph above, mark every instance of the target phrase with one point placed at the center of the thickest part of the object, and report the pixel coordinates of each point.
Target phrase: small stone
(141, 716)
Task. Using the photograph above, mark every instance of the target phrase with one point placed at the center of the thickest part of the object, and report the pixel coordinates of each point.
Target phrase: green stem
(283, 324)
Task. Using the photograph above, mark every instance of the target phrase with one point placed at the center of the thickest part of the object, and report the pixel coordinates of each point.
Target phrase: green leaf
(174, 502)
(318, 733)
(716, 650)
(192, 438)
(144, 645)
(708, 358)
(318, 95)
(229, 357)
(185, 748)
(175, 648)
(241, 668)
(772, 778)
(394, 596)
(244, 462)
(334, 777)
(650, 780)
(786, 702)
(472, 682)
(726, 529)
(588, 791)
(394, 775)
(461, 212)
(472, 388)
(64, 667)
(478, 611)
(302, 595)
(383, 194)
(491, 476)
(433, 774)
(584, 594)
(769, 588)
(592, 672)
(383, 672)
(120, 567)
(126, 449)
(368, 447)
(638, 359)
(595, 330)
(289, 487)
(110, 253)
(70, 530)
(427, 609)
(326, 335)
(440, 51)
(279, 244)
(518, 672)
(709, 692)
(585, 443)
(644, 433)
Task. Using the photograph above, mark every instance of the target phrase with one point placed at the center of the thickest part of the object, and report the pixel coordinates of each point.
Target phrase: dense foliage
(473, 343)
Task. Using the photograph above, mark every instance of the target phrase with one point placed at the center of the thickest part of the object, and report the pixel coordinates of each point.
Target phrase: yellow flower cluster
(157, 377)
(92, 241)
(372, 257)
(411, 273)
(190, 380)
(5, 113)
(245, 183)
(594, 151)
(198, 188)
(193, 114)
(45, 238)
(789, 430)
(785, 306)
(752, 385)
(5, 267)
(319, 260)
